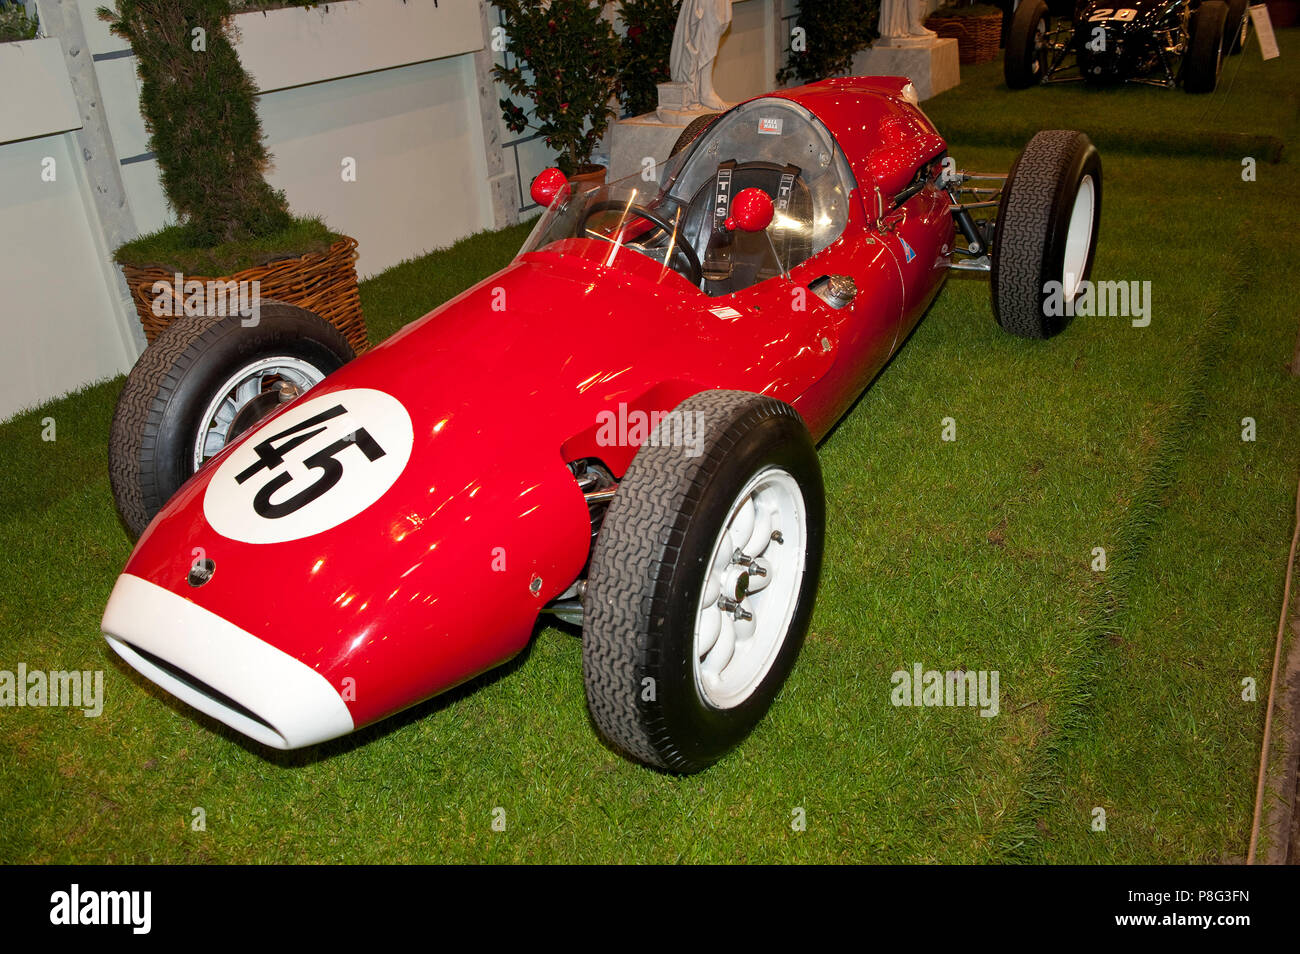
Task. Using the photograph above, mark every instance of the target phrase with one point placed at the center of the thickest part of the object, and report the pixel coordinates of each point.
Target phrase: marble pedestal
(932, 67)
(642, 137)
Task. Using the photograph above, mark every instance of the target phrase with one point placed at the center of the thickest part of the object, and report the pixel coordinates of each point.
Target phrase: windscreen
(770, 143)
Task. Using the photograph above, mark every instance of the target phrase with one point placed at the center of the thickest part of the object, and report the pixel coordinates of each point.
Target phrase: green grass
(1169, 747)
(1250, 114)
(408, 290)
(1158, 734)
(1118, 689)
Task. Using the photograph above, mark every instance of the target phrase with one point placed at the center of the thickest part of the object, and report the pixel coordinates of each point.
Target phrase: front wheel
(1025, 60)
(201, 383)
(1046, 233)
(702, 579)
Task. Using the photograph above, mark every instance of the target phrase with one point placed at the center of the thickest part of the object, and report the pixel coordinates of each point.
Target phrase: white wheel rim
(1078, 237)
(766, 529)
(241, 387)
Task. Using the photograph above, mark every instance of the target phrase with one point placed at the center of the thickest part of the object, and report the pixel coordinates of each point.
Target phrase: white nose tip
(220, 669)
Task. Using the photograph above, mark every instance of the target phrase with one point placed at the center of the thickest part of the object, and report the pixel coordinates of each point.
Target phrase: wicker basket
(977, 36)
(325, 283)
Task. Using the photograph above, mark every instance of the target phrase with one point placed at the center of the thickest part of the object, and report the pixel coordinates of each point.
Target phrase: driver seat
(733, 261)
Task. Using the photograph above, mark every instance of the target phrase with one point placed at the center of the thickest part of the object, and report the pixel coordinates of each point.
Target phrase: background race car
(1156, 42)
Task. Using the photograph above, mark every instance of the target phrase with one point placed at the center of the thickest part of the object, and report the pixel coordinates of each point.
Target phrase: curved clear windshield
(675, 211)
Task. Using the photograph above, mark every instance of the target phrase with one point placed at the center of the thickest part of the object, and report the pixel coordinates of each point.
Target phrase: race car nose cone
(220, 669)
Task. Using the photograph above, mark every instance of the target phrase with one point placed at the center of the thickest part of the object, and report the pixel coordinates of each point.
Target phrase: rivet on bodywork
(200, 572)
(535, 585)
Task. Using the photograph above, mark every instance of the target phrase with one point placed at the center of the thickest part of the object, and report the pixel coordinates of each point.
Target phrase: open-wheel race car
(617, 430)
(1107, 42)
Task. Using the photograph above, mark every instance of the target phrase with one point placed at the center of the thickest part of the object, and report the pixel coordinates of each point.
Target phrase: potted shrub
(199, 108)
(214, 367)
(564, 59)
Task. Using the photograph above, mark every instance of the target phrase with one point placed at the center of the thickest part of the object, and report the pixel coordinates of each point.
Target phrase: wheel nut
(733, 607)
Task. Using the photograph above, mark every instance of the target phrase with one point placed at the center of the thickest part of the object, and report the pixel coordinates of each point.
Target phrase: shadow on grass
(324, 751)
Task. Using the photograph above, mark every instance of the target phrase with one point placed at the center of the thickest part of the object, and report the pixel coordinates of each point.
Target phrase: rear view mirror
(548, 184)
(751, 211)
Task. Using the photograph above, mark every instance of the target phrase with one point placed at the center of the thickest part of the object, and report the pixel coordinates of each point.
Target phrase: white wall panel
(294, 46)
(37, 97)
(58, 331)
(413, 132)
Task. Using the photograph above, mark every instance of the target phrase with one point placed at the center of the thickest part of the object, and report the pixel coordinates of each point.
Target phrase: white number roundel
(319, 463)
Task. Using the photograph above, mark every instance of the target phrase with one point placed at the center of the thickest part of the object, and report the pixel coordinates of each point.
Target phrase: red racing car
(618, 430)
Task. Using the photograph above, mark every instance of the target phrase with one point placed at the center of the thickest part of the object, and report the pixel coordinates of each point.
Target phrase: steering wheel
(694, 273)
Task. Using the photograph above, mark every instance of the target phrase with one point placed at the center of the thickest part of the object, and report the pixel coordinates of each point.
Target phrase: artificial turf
(1119, 689)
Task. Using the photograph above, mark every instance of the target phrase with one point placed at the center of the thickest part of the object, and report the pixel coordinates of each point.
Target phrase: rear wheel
(1205, 48)
(692, 132)
(1024, 62)
(201, 383)
(1046, 233)
(702, 581)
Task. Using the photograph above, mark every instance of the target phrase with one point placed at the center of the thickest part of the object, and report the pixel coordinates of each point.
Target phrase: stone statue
(700, 25)
(901, 24)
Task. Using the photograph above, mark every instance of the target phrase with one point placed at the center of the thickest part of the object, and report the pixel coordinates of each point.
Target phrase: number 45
(270, 456)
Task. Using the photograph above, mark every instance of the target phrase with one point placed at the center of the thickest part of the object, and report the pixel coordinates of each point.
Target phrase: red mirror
(751, 211)
(548, 184)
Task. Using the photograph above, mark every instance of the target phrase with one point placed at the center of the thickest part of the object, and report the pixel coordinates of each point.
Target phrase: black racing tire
(156, 421)
(1234, 28)
(1205, 47)
(692, 132)
(648, 571)
(1037, 236)
(1024, 62)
